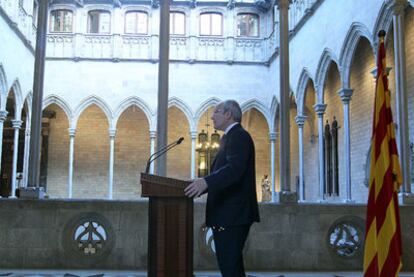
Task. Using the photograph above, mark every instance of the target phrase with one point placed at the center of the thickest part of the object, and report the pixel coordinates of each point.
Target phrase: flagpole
(383, 249)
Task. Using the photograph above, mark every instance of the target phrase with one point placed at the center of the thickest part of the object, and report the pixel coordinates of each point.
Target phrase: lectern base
(170, 227)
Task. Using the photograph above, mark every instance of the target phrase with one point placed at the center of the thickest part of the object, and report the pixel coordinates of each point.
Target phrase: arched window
(61, 21)
(136, 22)
(177, 23)
(99, 22)
(211, 24)
(247, 25)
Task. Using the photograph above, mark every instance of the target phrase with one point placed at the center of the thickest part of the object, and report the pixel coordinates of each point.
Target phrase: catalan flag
(383, 251)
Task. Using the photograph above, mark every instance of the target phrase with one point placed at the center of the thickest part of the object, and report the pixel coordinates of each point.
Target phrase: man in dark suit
(231, 202)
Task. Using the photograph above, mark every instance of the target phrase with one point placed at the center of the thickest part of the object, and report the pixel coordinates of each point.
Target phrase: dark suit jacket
(231, 199)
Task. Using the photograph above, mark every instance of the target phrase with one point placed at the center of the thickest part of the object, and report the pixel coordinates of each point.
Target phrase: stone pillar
(193, 135)
(152, 149)
(300, 121)
(320, 110)
(163, 72)
(112, 134)
(36, 119)
(284, 141)
(272, 138)
(17, 124)
(72, 133)
(3, 116)
(398, 8)
(346, 95)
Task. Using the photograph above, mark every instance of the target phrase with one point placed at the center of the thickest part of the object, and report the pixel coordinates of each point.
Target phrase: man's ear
(228, 115)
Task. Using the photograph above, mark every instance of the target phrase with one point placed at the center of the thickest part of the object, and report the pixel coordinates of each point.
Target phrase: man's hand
(196, 188)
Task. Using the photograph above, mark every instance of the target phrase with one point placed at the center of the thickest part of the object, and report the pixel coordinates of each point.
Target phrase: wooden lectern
(170, 227)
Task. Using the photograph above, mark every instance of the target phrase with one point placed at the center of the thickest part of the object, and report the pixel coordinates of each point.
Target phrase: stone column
(112, 134)
(153, 135)
(3, 116)
(17, 124)
(346, 95)
(72, 132)
(36, 118)
(320, 110)
(300, 121)
(272, 138)
(398, 8)
(193, 135)
(163, 72)
(284, 142)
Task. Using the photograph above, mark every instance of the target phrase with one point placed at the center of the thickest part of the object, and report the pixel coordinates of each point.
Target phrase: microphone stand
(162, 151)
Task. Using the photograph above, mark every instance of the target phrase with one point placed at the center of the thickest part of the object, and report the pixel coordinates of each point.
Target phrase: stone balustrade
(290, 237)
(145, 47)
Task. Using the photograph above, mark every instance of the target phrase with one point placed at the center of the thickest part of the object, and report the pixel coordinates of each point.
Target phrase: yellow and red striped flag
(383, 251)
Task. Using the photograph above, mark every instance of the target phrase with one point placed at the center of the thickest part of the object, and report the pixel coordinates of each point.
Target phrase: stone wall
(310, 146)
(132, 149)
(16, 61)
(179, 158)
(40, 234)
(58, 154)
(294, 150)
(91, 158)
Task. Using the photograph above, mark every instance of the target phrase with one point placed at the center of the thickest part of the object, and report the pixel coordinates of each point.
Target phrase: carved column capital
(72, 132)
(283, 4)
(17, 124)
(320, 109)
(300, 120)
(153, 134)
(193, 134)
(375, 71)
(3, 115)
(272, 136)
(345, 94)
(112, 133)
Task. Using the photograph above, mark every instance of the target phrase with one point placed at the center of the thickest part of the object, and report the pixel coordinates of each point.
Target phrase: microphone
(162, 151)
